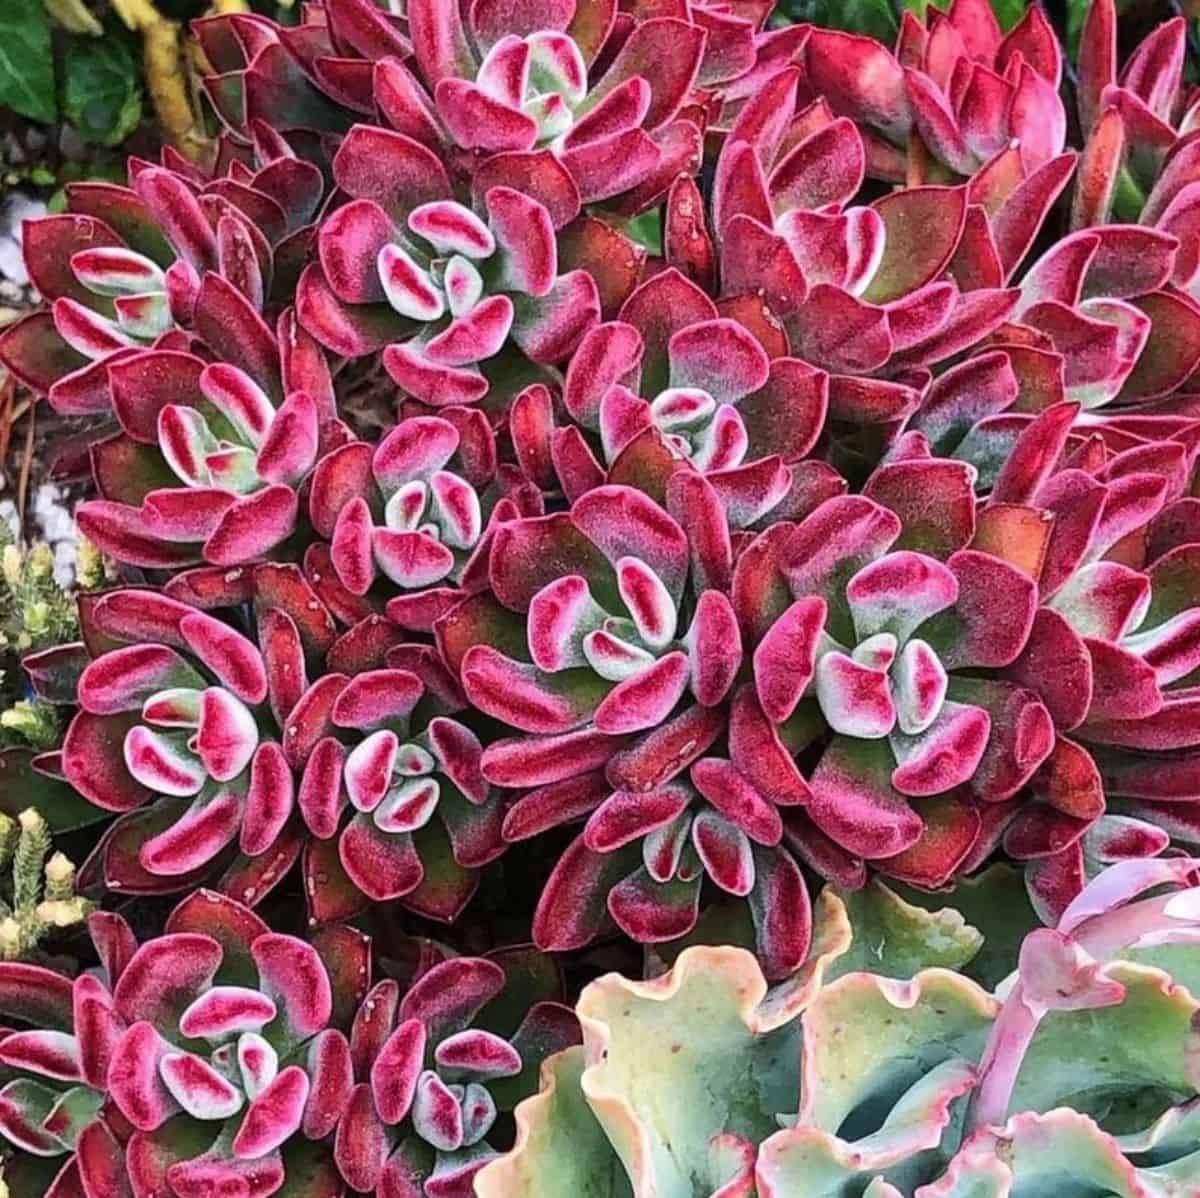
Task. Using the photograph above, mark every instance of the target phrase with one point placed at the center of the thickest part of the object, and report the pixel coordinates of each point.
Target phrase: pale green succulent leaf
(1089, 1059)
(1047, 1156)
(868, 1039)
(678, 1060)
(995, 903)
(897, 939)
(560, 1146)
(910, 1148)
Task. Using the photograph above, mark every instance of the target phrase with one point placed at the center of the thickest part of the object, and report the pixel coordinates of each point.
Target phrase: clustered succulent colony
(656, 464)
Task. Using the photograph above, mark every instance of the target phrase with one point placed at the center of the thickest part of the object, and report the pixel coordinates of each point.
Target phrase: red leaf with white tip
(292, 975)
(134, 1083)
(785, 658)
(395, 1070)
(274, 1115)
(436, 1114)
(269, 799)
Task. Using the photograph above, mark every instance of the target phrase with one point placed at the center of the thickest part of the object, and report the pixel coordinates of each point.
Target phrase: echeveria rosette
(404, 265)
(876, 294)
(954, 95)
(508, 81)
(1136, 123)
(896, 654)
(422, 819)
(189, 1064)
(176, 708)
(1113, 303)
(415, 510)
(435, 1065)
(1110, 653)
(673, 383)
(172, 255)
(626, 677)
(211, 456)
(605, 105)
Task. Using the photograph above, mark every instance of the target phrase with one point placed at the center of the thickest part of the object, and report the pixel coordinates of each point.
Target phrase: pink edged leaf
(720, 782)
(644, 700)
(838, 332)
(859, 78)
(269, 800)
(349, 330)
(382, 865)
(292, 975)
(362, 1142)
(651, 912)
(100, 1158)
(527, 761)
(395, 1070)
(47, 1053)
(449, 996)
(349, 244)
(785, 658)
(1022, 735)
(923, 225)
(134, 1082)
(572, 909)
(531, 699)
(164, 975)
(714, 648)
(229, 654)
(781, 911)
(992, 617)
(759, 754)
(725, 851)
(290, 447)
(331, 1076)
(626, 816)
(253, 526)
(943, 755)
(393, 170)
(125, 678)
(196, 838)
(274, 1114)
(476, 1053)
(719, 357)
(198, 1088)
(548, 327)
(212, 1171)
(665, 52)
(854, 803)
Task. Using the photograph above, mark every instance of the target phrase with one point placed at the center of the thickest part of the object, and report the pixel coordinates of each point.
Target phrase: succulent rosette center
(133, 286)
(426, 1078)
(436, 270)
(542, 77)
(890, 683)
(418, 524)
(236, 439)
(187, 717)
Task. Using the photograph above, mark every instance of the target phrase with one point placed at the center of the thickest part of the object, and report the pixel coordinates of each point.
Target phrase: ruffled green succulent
(1080, 1070)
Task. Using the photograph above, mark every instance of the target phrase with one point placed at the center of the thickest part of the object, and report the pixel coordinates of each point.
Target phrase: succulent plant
(965, 91)
(918, 1083)
(176, 253)
(210, 455)
(407, 268)
(431, 1076)
(606, 106)
(187, 1062)
(665, 458)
